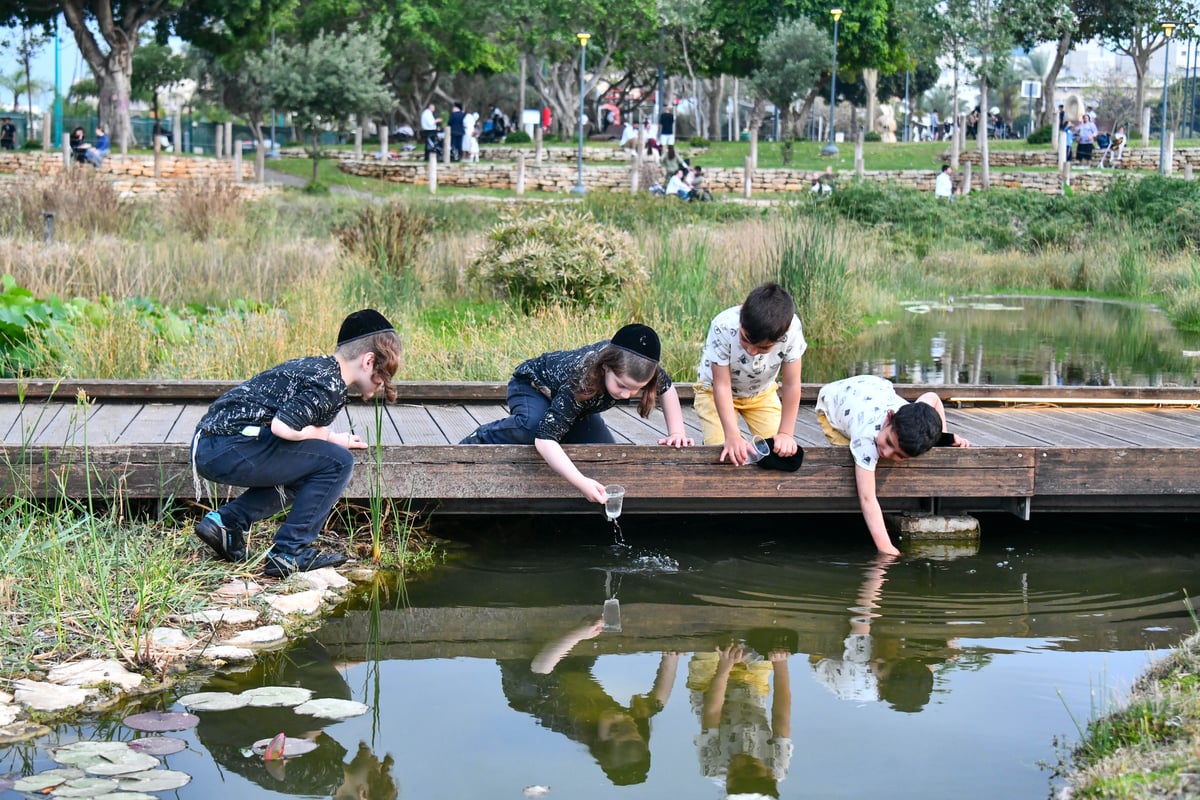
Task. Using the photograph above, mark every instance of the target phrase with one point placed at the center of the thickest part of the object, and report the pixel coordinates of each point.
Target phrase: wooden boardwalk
(1036, 448)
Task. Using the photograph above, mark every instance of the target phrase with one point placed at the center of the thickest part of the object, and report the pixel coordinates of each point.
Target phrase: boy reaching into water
(271, 434)
(866, 413)
(749, 348)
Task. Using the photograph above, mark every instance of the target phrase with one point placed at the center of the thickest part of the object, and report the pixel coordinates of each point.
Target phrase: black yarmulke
(640, 340)
(360, 324)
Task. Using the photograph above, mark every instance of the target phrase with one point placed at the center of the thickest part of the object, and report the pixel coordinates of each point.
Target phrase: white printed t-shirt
(857, 408)
(749, 375)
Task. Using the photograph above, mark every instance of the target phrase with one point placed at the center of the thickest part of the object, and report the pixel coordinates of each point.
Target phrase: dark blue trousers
(526, 407)
(310, 475)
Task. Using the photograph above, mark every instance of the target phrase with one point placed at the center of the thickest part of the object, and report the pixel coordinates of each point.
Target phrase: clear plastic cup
(614, 497)
(758, 449)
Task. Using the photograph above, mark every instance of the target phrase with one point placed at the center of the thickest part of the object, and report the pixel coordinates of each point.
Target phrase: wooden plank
(9, 414)
(33, 418)
(1131, 426)
(184, 428)
(106, 423)
(151, 425)
(1175, 422)
(454, 421)
(63, 427)
(976, 419)
(1051, 432)
(1117, 471)
(1079, 424)
(483, 413)
(416, 425)
(361, 418)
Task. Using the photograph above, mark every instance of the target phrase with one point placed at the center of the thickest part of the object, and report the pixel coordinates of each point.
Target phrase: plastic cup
(614, 497)
(758, 449)
(612, 615)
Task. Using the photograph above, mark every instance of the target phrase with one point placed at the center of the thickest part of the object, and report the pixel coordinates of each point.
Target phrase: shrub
(203, 206)
(388, 237)
(699, 141)
(872, 136)
(518, 137)
(1042, 135)
(31, 144)
(559, 256)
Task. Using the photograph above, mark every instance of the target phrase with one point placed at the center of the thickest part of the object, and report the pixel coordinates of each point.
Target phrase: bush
(559, 256)
(518, 137)
(699, 141)
(1042, 135)
(389, 237)
(30, 144)
(872, 136)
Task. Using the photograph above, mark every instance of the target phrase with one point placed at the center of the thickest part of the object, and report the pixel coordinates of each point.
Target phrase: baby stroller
(494, 131)
(1112, 147)
(433, 144)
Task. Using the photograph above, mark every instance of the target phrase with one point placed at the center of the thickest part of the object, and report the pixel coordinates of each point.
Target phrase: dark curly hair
(918, 426)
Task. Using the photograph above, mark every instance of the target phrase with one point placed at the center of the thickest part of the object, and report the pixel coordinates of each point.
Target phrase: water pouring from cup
(614, 497)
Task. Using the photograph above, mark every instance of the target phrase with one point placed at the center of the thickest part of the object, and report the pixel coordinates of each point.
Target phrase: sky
(71, 64)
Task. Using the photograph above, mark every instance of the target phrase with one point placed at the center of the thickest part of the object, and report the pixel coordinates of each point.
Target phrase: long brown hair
(389, 354)
(624, 364)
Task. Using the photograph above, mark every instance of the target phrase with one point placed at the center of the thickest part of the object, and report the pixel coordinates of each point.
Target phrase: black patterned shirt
(301, 392)
(557, 376)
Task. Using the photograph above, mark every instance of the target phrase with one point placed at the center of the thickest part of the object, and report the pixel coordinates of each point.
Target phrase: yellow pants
(834, 436)
(761, 412)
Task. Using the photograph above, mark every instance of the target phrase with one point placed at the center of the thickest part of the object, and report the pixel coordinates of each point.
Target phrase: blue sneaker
(228, 544)
(281, 565)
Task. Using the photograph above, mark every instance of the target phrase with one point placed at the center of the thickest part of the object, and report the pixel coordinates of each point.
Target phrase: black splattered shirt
(557, 375)
(301, 392)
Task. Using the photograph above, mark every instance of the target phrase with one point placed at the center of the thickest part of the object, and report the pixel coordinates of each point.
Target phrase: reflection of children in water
(737, 744)
(560, 692)
(322, 772)
(873, 669)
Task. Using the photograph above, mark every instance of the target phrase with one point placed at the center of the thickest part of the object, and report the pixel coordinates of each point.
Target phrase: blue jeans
(310, 475)
(526, 407)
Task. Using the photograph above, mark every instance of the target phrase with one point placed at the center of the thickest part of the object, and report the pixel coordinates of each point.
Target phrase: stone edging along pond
(244, 618)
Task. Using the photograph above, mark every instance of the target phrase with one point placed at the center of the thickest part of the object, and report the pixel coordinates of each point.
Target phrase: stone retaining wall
(562, 178)
(1134, 158)
(129, 166)
(559, 155)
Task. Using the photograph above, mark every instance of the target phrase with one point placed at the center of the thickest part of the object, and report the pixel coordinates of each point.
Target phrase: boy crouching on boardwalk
(866, 413)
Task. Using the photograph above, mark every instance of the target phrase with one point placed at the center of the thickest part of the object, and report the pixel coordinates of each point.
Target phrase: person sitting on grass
(866, 413)
(271, 434)
(678, 186)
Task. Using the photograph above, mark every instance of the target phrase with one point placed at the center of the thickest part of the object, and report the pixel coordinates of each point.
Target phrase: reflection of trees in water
(1048, 341)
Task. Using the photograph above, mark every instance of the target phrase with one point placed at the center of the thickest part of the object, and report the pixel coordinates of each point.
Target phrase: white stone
(257, 637)
(214, 616)
(238, 589)
(42, 696)
(327, 578)
(8, 714)
(306, 603)
(224, 652)
(169, 639)
(93, 672)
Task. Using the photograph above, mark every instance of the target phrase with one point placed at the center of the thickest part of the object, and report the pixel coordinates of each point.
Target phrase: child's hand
(785, 445)
(736, 450)
(677, 440)
(960, 441)
(592, 490)
(730, 655)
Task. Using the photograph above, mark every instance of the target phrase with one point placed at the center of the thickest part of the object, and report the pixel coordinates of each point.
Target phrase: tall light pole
(831, 148)
(1192, 71)
(1168, 29)
(580, 189)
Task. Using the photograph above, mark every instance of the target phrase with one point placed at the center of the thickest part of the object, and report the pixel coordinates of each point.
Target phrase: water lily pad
(291, 747)
(214, 701)
(86, 787)
(126, 796)
(46, 780)
(158, 745)
(332, 708)
(160, 721)
(154, 780)
(81, 754)
(122, 763)
(277, 696)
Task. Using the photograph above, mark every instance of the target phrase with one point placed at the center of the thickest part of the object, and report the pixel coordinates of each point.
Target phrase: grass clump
(387, 237)
(556, 256)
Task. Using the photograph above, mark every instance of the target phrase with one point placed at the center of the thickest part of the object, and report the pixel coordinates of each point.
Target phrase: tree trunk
(716, 95)
(981, 130)
(113, 69)
(871, 83)
(1140, 68)
(1049, 115)
(521, 91)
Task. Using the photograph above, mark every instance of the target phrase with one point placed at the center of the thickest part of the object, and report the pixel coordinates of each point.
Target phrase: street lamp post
(1168, 29)
(831, 148)
(1192, 69)
(580, 189)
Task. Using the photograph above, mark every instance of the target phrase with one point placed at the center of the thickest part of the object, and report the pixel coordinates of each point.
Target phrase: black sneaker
(227, 544)
(472, 438)
(280, 565)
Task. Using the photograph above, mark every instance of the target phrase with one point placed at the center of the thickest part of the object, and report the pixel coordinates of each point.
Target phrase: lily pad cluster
(103, 771)
(298, 699)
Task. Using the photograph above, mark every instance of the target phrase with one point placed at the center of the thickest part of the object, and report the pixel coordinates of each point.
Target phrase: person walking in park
(943, 187)
(8, 134)
(666, 127)
(458, 129)
(272, 435)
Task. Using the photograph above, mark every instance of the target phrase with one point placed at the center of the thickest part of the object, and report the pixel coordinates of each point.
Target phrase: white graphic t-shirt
(857, 408)
(749, 375)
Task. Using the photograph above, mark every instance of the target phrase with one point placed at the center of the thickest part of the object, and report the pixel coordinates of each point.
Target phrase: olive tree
(792, 59)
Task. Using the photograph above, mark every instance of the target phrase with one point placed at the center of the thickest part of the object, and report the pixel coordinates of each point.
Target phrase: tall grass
(811, 262)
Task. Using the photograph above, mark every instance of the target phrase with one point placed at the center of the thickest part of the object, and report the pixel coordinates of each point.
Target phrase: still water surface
(1018, 340)
(843, 676)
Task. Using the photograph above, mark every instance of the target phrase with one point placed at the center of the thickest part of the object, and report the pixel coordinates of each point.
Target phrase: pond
(765, 651)
(1019, 340)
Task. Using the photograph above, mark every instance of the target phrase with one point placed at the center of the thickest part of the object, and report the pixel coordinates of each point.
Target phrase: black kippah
(638, 339)
(361, 324)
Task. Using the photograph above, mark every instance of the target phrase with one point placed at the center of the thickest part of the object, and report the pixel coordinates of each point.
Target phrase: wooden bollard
(858, 153)
(753, 150)
(520, 174)
(237, 160)
(433, 173)
(1187, 170)
(1065, 174)
(66, 151)
(538, 153)
(358, 143)
(635, 175)
(1169, 166)
(748, 173)
(1145, 127)
(218, 145)
(176, 133)
(157, 154)
(47, 130)
(966, 181)
(446, 145)
(260, 164)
